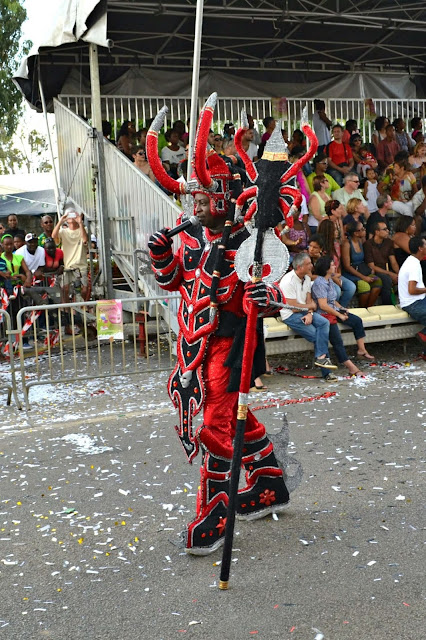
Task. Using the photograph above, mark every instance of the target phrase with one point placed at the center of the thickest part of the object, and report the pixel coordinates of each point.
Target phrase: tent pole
(49, 141)
(195, 81)
(95, 86)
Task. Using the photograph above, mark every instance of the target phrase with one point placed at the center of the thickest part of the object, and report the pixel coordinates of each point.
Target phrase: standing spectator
(351, 128)
(324, 294)
(380, 125)
(368, 285)
(18, 241)
(54, 258)
(383, 206)
(126, 138)
(416, 127)
(296, 287)
(141, 137)
(12, 226)
(411, 286)
(17, 273)
(172, 155)
(74, 241)
(387, 148)
(33, 255)
(141, 163)
(339, 153)
(380, 257)
(403, 139)
(321, 124)
(257, 139)
(371, 190)
(248, 145)
(317, 201)
(46, 224)
(2, 229)
(320, 163)
(351, 190)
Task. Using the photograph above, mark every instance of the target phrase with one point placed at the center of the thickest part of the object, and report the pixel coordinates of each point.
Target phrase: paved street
(95, 490)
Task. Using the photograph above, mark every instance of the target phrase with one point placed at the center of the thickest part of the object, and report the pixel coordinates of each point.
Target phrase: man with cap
(33, 255)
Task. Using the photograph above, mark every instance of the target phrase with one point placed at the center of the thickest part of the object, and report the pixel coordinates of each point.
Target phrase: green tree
(12, 15)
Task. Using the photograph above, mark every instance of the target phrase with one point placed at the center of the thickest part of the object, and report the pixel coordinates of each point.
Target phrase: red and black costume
(210, 346)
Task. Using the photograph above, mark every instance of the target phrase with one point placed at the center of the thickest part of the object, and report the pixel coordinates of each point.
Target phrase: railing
(59, 358)
(7, 360)
(137, 208)
(115, 109)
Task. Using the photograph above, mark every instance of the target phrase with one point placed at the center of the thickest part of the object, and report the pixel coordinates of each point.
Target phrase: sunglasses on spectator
(217, 139)
(140, 153)
(356, 181)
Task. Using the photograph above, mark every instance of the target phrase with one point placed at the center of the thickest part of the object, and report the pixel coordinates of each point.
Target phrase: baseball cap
(31, 236)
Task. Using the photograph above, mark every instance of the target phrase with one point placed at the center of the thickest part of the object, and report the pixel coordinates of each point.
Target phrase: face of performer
(202, 211)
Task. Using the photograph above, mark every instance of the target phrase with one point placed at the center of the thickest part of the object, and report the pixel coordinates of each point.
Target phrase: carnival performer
(212, 320)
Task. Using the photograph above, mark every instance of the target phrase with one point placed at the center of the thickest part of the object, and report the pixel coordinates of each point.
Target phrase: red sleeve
(348, 150)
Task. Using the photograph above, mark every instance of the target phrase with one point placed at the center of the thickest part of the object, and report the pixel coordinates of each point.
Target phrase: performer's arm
(167, 266)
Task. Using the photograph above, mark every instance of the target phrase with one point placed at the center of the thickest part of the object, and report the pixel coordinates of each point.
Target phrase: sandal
(260, 388)
(365, 355)
(357, 374)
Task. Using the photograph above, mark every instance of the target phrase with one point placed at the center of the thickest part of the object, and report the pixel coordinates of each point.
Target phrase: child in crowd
(367, 161)
(371, 190)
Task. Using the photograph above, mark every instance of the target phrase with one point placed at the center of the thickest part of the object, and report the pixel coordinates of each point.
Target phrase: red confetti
(276, 402)
(407, 605)
(292, 629)
(276, 606)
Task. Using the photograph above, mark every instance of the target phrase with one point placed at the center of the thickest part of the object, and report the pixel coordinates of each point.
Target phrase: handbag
(364, 269)
(329, 316)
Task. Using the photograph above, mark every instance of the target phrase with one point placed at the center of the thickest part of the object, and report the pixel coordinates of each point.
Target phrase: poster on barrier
(109, 320)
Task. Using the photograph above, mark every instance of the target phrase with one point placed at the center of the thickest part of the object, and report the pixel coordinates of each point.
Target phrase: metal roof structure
(289, 40)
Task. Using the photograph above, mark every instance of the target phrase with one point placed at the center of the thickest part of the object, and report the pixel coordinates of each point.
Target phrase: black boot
(265, 491)
(206, 533)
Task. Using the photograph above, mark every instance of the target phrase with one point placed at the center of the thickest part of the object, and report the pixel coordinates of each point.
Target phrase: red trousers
(220, 406)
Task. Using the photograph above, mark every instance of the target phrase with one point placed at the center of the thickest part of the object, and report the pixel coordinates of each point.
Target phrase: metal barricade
(68, 349)
(7, 362)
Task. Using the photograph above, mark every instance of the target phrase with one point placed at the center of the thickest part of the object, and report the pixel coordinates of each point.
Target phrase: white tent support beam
(50, 145)
(95, 87)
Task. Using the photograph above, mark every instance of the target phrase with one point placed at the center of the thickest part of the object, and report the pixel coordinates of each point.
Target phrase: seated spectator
(387, 148)
(218, 143)
(411, 286)
(351, 128)
(335, 211)
(349, 191)
(12, 226)
(33, 255)
(18, 241)
(406, 143)
(296, 153)
(379, 134)
(141, 163)
(345, 289)
(172, 154)
(179, 126)
(417, 161)
(383, 206)
(296, 287)
(107, 130)
(126, 138)
(297, 238)
(46, 224)
(400, 180)
(316, 203)
(366, 161)
(405, 230)
(418, 137)
(321, 125)
(354, 213)
(54, 258)
(419, 206)
(354, 267)
(324, 295)
(416, 127)
(248, 145)
(210, 139)
(339, 153)
(371, 191)
(297, 140)
(315, 250)
(355, 143)
(229, 131)
(380, 257)
(320, 167)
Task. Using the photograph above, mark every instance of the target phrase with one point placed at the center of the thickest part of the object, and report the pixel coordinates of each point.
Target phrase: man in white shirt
(34, 255)
(411, 288)
(296, 287)
(248, 144)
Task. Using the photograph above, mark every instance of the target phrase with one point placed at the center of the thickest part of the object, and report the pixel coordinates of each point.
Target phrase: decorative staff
(261, 259)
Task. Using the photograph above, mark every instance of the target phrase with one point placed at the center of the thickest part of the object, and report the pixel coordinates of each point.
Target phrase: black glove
(256, 293)
(159, 243)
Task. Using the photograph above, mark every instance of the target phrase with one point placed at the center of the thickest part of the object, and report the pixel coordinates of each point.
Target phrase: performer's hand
(159, 242)
(255, 293)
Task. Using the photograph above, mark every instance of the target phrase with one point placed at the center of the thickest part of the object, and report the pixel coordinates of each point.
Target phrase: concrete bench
(381, 323)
